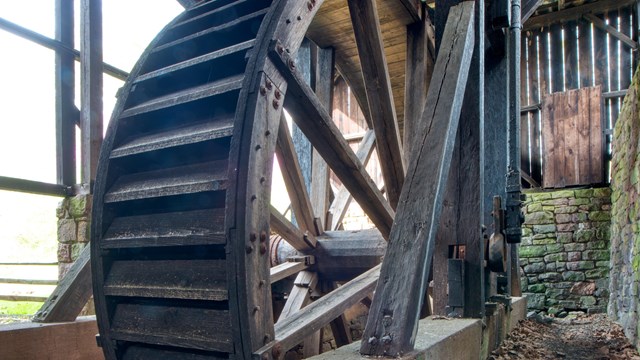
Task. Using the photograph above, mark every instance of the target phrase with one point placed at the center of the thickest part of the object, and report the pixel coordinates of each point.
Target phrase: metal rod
(56, 46)
(32, 187)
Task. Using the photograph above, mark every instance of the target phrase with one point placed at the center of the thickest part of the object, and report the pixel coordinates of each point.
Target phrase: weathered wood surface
(285, 270)
(574, 13)
(572, 138)
(71, 294)
(296, 238)
(366, 26)
(412, 239)
(313, 317)
(318, 126)
(299, 296)
(341, 202)
(528, 8)
(421, 57)
(294, 179)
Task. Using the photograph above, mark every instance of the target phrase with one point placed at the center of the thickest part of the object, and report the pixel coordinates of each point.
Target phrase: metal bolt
(373, 340)
(299, 18)
(275, 103)
(253, 198)
(279, 47)
(263, 91)
(278, 94)
(256, 309)
(263, 236)
(269, 84)
(261, 284)
(276, 351)
(267, 133)
(253, 237)
(292, 64)
(309, 6)
(263, 249)
(258, 147)
(248, 249)
(386, 339)
(262, 180)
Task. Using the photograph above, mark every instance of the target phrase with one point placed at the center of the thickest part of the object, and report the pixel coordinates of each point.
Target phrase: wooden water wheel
(182, 212)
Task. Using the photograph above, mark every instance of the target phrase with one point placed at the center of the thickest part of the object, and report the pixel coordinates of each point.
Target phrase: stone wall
(564, 253)
(624, 304)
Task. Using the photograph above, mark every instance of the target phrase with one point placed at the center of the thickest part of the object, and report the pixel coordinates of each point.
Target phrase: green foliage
(19, 307)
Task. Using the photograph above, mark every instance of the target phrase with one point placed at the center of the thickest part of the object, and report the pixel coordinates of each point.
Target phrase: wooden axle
(339, 255)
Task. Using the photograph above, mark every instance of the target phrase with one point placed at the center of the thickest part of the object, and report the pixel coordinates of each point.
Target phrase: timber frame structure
(180, 260)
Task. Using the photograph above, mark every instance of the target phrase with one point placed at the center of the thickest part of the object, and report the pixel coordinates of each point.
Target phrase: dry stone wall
(624, 304)
(564, 253)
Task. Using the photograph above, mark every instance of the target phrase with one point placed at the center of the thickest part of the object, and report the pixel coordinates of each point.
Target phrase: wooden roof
(332, 27)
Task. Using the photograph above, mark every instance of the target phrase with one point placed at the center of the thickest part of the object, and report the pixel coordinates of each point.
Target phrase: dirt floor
(575, 337)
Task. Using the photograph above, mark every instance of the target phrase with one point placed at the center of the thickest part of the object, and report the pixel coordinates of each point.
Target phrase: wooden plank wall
(567, 56)
(573, 155)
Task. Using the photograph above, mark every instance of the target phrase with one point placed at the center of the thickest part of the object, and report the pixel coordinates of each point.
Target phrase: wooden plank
(71, 294)
(571, 55)
(572, 150)
(559, 115)
(33, 187)
(302, 103)
(304, 284)
(341, 202)
(600, 61)
(281, 225)
(91, 122)
(412, 239)
(294, 180)
(611, 30)
(528, 8)
(366, 26)
(574, 13)
(586, 60)
(285, 270)
(320, 185)
(66, 112)
(421, 55)
(595, 142)
(548, 131)
(313, 317)
(583, 129)
(626, 67)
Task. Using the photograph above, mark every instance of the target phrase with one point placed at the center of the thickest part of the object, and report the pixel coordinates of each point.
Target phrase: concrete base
(57, 341)
(458, 339)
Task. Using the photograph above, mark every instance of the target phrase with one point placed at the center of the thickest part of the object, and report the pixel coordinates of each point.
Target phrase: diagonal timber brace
(393, 319)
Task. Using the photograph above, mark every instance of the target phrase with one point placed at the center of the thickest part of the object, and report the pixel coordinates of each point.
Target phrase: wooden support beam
(526, 177)
(574, 13)
(91, 124)
(294, 180)
(320, 185)
(66, 111)
(303, 285)
(293, 329)
(599, 23)
(285, 270)
(56, 46)
(32, 187)
(325, 136)
(341, 202)
(528, 8)
(393, 319)
(296, 238)
(71, 294)
(366, 27)
(413, 9)
(421, 57)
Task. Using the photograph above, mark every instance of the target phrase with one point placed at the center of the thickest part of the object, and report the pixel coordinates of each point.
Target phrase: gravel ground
(576, 337)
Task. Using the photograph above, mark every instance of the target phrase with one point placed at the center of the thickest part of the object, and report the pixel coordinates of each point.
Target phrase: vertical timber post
(91, 87)
(66, 112)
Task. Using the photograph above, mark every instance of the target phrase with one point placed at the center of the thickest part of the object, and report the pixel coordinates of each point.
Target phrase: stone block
(559, 294)
(537, 288)
(579, 217)
(554, 248)
(535, 301)
(61, 209)
(566, 227)
(83, 231)
(534, 268)
(550, 267)
(575, 247)
(569, 304)
(532, 279)
(597, 273)
(595, 255)
(66, 231)
(603, 233)
(555, 257)
(547, 241)
(539, 196)
(584, 235)
(576, 202)
(563, 218)
(583, 288)
(64, 253)
(563, 194)
(76, 249)
(597, 245)
(80, 206)
(580, 265)
(532, 251)
(566, 209)
(583, 193)
(544, 229)
(526, 231)
(550, 276)
(587, 301)
(600, 216)
(535, 207)
(573, 276)
(602, 192)
(564, 237)
(541, 217)
(603, 264)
